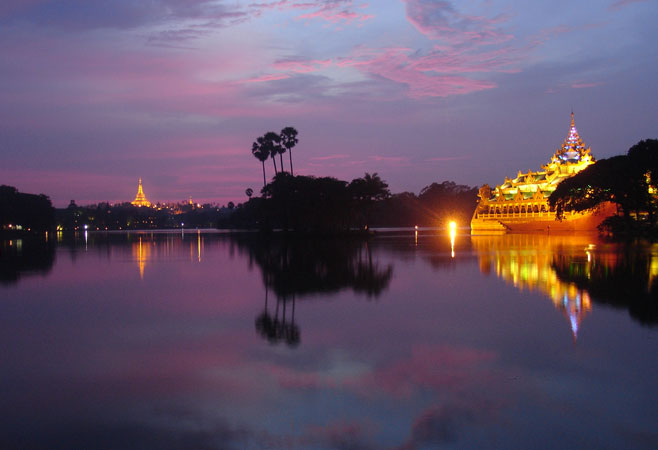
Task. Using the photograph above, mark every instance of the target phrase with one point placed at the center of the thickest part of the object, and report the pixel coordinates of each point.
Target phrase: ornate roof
(572, 157)
(573, 148)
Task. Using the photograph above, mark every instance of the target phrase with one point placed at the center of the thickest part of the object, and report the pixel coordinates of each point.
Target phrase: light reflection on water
(413, 340)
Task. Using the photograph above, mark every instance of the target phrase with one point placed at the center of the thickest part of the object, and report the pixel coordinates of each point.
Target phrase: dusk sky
(95, 94)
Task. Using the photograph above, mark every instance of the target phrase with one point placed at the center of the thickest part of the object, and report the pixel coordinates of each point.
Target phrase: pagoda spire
(573, 148)
(140, 198)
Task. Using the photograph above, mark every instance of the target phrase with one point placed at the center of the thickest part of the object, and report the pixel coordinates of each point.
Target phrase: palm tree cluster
(272, 144)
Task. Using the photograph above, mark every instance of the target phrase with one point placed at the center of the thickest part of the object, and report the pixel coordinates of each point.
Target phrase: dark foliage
(29, 211)
(328, 205)
(625, 180)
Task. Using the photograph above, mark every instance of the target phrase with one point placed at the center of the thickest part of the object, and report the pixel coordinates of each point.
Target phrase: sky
(96, 94)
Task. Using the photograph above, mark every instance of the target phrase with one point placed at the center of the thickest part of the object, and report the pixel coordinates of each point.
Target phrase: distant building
(140, 198)
(521, 204)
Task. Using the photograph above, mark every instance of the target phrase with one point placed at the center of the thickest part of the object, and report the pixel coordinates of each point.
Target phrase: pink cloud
(448, 158)
(426, 76)
(301, 66)
(332, 11)
(621, 3)
(465, 51)
(267, 77)
(441, 21)
(586, 85)
(329, 157)
(390, 159)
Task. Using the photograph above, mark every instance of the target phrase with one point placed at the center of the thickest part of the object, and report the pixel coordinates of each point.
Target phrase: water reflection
(23, 257)
(147, 340)
(623, 276)
(575, 271)
(279, 328)
(293, 267)
(306, 267)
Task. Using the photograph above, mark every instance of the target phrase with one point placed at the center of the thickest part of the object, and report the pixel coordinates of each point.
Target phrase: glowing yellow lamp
(453, 232)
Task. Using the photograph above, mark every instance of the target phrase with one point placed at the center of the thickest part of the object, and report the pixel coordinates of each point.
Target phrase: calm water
(201, 341)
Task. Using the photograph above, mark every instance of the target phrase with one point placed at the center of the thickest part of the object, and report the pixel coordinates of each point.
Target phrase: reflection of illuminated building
(526, 261)
(140, 198)
(521, 203)
(653, 266)
(141, 253)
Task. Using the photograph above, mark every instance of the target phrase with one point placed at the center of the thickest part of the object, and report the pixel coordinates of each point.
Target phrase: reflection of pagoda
(140, 198)
(141, 254)
(521, 204)
(527, 262)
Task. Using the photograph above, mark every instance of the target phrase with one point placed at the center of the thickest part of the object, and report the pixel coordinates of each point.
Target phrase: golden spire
(140, 198)
(573, 148)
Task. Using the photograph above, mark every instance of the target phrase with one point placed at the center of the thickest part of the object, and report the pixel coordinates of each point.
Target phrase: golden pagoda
(140, 198)
(520, 204)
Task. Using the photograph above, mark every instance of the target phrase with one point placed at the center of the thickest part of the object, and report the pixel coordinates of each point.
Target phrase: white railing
(543, 214)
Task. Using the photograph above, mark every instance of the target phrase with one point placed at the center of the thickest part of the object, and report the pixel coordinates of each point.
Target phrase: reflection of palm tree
(265, 325)
(276, 330)
(293, 335)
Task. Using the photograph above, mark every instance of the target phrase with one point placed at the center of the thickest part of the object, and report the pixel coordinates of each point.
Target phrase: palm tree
(289, 140)
(273, 142)
(260, 153)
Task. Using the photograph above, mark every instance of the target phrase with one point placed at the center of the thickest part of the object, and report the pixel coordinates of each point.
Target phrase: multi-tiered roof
(572, 157)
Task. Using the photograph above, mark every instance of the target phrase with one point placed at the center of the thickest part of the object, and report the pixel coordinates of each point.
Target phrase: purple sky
(94, 94)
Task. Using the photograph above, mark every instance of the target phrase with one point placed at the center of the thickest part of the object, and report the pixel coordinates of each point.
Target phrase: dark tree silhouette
(364, 192)
(288, 141)
(261, 154)
(629, 180)
(370, 187)
(30, 211)
(249, 192)
(272, 143)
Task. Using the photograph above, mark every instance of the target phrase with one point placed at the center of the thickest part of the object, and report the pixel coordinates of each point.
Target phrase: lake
(201, 340)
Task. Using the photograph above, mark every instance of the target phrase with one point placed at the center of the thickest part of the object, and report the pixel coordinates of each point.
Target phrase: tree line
(21, 212)
(630, 181)
(327, 204)
(311, 203)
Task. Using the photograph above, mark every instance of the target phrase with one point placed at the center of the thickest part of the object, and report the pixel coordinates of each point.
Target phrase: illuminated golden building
(140, 198)
(520, 204)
